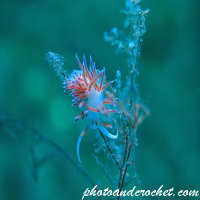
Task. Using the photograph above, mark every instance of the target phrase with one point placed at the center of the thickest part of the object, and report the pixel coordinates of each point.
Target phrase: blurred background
(169, 142)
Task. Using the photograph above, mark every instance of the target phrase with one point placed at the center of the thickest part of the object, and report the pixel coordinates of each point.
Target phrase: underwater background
(30, 92)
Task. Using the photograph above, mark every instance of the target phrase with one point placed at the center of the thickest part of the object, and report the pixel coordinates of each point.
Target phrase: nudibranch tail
(100, 128)
(80, 137)
(106, 133)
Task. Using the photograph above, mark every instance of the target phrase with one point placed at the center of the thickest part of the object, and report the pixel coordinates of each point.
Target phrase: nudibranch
(87, 87)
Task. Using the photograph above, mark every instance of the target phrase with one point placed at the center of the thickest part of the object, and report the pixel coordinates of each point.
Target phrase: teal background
(169, 140)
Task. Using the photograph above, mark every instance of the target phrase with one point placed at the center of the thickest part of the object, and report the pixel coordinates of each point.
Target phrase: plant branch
(110, 150)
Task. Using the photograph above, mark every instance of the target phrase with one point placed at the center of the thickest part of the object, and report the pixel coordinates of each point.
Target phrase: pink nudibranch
(86, 86)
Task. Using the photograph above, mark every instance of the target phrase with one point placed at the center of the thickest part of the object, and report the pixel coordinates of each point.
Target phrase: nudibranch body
(87, 87)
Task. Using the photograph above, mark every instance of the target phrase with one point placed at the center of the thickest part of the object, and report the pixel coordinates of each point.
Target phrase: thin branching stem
(103, 168)
(110, 150)
(122, 108)
(68, 156)
(37, 135)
